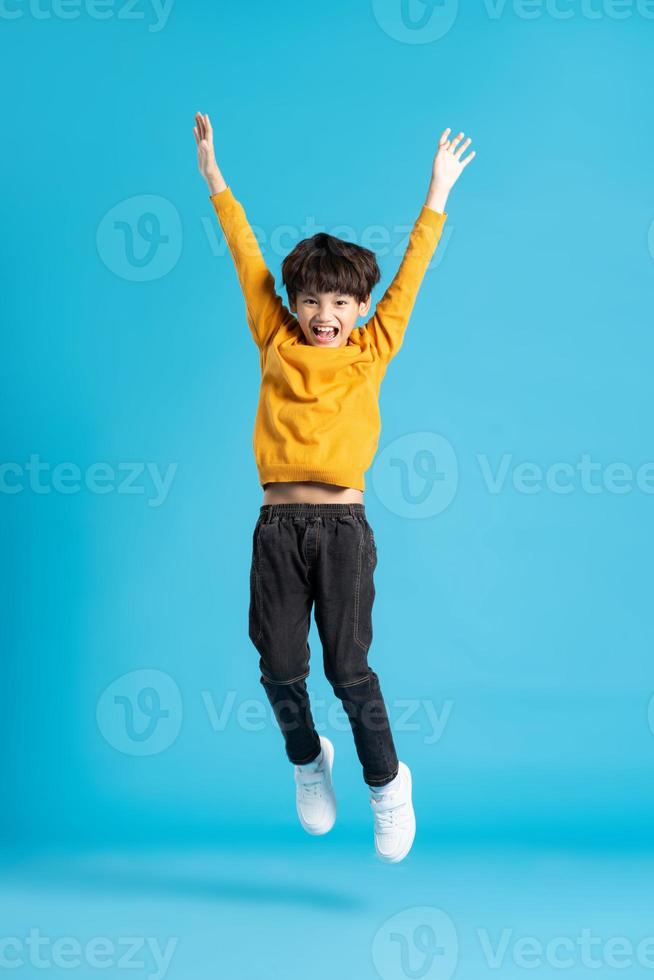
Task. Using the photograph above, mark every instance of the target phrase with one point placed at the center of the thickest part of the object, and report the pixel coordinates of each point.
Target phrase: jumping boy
(315, 435)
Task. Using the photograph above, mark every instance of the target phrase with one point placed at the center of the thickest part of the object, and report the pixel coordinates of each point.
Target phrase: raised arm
(388, 324)
(265, 311)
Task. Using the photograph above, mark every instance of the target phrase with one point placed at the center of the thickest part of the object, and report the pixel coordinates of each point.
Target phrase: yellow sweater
(318, 414)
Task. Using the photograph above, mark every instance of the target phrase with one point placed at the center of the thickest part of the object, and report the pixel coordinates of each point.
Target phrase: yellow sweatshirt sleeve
(265, 311)
(388, 324)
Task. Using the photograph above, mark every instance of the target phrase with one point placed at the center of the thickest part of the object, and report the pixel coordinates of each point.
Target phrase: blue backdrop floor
(319, 908)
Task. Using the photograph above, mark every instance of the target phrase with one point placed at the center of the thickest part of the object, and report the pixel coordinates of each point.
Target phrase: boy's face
(336, 311)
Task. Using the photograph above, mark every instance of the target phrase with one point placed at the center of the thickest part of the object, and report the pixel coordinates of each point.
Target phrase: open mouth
(325, 334)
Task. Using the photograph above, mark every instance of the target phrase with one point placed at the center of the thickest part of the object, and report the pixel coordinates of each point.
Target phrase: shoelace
(390, 814)
(310, 788)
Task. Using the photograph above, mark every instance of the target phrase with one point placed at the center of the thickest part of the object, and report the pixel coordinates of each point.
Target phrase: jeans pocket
(364, 593)
(255, 618)
(372, 546)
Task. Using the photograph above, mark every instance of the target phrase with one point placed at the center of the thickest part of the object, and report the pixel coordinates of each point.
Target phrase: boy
(315, 435)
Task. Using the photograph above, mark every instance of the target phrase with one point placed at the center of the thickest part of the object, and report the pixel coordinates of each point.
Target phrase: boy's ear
(365, 306)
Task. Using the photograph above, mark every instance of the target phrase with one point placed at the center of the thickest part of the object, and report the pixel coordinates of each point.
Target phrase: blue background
(523, 619)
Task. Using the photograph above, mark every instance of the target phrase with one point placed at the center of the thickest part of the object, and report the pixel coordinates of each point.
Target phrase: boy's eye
(339, 302)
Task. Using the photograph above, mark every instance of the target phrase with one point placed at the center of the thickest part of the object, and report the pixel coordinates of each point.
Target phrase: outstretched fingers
(455, 147)
(464, 146)
(201, 125)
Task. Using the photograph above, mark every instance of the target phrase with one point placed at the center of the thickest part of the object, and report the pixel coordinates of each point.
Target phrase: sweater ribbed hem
(223, 199)
(286, 472)
(430, 217)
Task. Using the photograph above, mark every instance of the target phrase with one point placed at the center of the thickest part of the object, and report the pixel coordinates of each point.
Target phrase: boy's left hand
(448, 165)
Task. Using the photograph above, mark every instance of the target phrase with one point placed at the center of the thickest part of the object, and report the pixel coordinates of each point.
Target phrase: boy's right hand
(207, 165)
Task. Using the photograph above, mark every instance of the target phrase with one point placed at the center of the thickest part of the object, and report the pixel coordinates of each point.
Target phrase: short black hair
(326, 264)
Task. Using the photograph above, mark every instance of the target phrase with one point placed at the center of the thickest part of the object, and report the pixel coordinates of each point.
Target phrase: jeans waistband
(268, 511)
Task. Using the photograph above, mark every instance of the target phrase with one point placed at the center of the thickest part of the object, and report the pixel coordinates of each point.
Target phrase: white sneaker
(395, 820)
(314, 794)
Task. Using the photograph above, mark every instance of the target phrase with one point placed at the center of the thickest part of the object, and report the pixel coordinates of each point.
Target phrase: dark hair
(325, 264)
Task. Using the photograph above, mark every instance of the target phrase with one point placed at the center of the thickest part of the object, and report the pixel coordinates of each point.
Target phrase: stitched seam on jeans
(357, 590)
(352, 683)
(376, 782)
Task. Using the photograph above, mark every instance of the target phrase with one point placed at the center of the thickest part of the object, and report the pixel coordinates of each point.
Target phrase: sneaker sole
(317, 831)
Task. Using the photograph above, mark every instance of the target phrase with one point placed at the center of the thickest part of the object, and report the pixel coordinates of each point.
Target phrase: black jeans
(323, 554)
